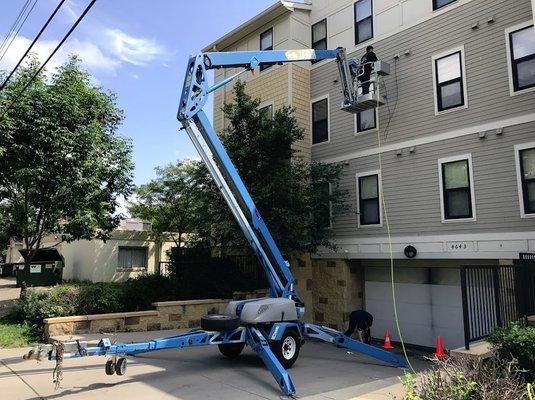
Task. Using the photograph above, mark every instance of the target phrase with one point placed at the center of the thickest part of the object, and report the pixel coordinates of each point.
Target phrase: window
(521, 44)
(441, 3)
(369, 207)
(457, 189)
(525, 169)
(450, 84)
(320, 121)
(266, 43)
(319, 35)
(266, 110)
(363, 21)
(132, 257)
(365, 120)
(323, 207)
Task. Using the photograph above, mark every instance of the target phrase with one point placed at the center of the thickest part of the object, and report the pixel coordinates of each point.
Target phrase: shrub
(34, 307)
(465, 379)
(139, 293)
(99, 298)
(516, 342)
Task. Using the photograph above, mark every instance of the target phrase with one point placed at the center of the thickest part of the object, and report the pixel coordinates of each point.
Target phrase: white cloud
(134, 50)
(91, 55)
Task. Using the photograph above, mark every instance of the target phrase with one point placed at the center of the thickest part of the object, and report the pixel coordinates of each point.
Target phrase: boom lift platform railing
(270, 326)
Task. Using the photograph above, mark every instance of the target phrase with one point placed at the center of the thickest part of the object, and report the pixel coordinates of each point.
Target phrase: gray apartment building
(453, 148)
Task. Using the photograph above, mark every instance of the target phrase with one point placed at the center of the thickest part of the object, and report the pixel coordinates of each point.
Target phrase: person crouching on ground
(361, 322)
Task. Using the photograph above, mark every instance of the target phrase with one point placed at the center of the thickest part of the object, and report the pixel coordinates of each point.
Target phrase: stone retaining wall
(167, 315)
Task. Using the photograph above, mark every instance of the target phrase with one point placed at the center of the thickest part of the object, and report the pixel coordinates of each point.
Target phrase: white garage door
(429, 304)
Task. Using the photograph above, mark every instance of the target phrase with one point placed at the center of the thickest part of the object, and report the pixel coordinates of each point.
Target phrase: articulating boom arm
(207, 143)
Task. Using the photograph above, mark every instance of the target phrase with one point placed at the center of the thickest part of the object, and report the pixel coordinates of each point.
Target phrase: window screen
(363, 21)
(266, 43)
(366, 120)
(132, 257)
(522, 44)
(369, 212)
(319, 35)
(449, 81)
(527, 168)
(441, 3)
(320, 121)
(456, 190)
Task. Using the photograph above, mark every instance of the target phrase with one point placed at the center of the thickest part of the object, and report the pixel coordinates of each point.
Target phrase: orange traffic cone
(387, 345)
(439, 352)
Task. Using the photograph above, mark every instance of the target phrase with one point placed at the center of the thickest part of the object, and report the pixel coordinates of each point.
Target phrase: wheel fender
(278, 329)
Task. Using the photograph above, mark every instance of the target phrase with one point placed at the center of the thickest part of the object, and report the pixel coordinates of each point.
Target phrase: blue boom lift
(270, 326)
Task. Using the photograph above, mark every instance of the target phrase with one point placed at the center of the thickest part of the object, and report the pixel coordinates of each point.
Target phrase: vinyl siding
(412, 93)
(412, 192)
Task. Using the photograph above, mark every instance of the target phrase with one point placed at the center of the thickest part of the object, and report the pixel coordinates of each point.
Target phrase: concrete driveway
(321, 372)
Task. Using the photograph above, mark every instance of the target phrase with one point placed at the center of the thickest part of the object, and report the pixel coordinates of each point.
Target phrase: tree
(289, 192)
(62, 163)
(171, 202)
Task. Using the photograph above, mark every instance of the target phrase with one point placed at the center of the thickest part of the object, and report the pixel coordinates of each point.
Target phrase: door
(429, 304)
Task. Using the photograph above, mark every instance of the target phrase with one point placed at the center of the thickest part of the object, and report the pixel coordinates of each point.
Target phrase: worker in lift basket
(361, 321)
(365, 61)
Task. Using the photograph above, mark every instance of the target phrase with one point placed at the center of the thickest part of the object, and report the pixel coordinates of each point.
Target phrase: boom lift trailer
(270, 326)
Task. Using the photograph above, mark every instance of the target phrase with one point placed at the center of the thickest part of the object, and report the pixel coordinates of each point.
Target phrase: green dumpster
(46, 268)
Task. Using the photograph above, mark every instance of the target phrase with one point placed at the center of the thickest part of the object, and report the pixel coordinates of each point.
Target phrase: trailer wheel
(231, 350)
(120, 367)
(287, 349)
(219, 323)
(110, 367)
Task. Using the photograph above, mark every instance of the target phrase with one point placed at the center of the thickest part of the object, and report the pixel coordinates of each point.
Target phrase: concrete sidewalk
(322, 372)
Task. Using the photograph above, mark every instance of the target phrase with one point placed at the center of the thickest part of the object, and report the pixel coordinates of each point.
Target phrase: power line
(31, 45)
(19, 94)
(10, 31)
(18, 30)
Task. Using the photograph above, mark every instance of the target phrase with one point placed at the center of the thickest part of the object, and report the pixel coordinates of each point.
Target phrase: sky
(139, 50)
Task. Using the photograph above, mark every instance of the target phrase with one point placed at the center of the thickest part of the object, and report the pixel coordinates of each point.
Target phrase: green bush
(465, 379)
(516, 342)
(139, 293)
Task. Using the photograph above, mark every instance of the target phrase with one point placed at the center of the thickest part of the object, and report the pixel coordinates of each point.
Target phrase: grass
(17, 335)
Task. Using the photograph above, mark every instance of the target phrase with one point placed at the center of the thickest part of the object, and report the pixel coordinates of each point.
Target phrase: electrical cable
(18, 30)
(388, 231)
(73, 27)
(33, 43)
(12, 28)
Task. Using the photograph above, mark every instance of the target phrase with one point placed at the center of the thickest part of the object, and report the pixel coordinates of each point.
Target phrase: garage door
(428, 300)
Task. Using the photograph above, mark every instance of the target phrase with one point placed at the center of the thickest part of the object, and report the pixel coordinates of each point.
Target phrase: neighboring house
(458, 148)
(129, 252)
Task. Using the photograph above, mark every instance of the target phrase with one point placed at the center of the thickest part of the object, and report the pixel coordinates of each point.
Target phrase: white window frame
(356, 127)
(315, 100)
(518, 148)
(369, 41)
(265, 104)
(472, 188)
(512, 91)
(380, 193)
(463, 71)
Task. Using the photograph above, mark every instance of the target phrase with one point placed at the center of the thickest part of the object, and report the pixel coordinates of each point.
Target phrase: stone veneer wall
(331, 289)
(167, 315)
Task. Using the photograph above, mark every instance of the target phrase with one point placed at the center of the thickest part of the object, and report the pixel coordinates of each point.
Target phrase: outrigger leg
(260, 345)
(336, 338)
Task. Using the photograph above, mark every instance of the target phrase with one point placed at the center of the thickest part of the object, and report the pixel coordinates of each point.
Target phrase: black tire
(120, 367)
(287, 349)
(231, 350)
(219, 322)
(110, 367)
